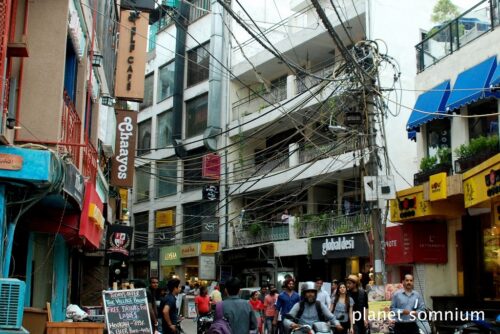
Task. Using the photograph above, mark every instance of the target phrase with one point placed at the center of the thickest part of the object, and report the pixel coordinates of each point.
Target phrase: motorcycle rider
(309, 311)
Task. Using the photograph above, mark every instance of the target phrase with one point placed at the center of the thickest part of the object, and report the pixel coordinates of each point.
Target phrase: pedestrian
(322, 296)
(360, 303)
(257, 307)
(286, 299)
(335, 284)
(236, 310)
(285, 216)
(216, 296)
(202, 302)
(270, 310)
(151, 294)
(264, 291)
(342, 309)
(168, 307)
(196, 290)
(406, 304)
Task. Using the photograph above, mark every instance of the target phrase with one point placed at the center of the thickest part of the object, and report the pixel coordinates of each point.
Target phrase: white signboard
(207, 267)
(379, 187)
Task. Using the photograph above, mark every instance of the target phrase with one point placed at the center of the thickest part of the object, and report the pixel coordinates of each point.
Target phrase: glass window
(148, 92)
(196, 115)
(166, 81)
(144, 137)
(193, 170)
(438, 136)
(164, 131)
(141, 225)
(167, 178)
(483, 126)
(198, 60)
(142, 176)
(196, 216)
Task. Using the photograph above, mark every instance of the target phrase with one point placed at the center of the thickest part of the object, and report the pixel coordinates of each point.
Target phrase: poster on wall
(207, 267)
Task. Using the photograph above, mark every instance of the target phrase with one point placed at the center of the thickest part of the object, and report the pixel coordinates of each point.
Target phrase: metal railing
(321, 70)
(261, 99)
(309, 153)
(198, 8)
(449, 37)
(313, 225)
(258, 232)
(275, 164)
(89, 168)
(71, 130)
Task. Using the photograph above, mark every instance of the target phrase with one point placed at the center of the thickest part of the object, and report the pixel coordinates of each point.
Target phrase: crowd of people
(270, 312)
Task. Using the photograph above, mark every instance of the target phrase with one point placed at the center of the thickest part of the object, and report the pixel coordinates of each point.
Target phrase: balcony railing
(330, 224)
(71, 127)
(258, 232)
(310, 153)
(199, 8)
(90, 162)
(278, 163)
(260, 100)
(306, 82)
(443, 40)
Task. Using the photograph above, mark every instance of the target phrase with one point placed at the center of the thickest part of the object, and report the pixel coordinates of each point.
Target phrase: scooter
(204, 323)
(318, 327)
(478, 325)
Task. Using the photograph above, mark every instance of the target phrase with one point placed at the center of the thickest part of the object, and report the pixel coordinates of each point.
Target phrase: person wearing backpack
(309, 310)
(360, 298)
(237, 311)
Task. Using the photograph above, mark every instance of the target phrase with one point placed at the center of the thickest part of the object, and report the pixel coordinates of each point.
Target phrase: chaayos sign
(118, 241)
(122, 166)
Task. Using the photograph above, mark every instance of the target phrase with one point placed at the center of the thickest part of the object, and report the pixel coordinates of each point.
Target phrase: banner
(122, 166)
(118, 242)
(131, 60)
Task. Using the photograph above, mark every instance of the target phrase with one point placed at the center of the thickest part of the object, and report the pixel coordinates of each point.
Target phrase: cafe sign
(208, 247)
(170, 256)
(438, 186)
(482, 183)
(189, 250)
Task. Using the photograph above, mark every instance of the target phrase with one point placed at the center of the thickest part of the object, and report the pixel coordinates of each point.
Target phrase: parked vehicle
(480, 326)
(245, 293)
(204, 323)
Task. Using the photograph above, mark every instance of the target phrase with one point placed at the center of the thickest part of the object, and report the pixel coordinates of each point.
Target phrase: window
(198, 218)
(144, 137)
(141, 224)
(142, 176)
(198, 61)
(483, 126)
(164, 131)
(167, 178)
(70, 71)
(148, 92)
(438, 136)
(193, 169)
(166, 81)
(196, 115)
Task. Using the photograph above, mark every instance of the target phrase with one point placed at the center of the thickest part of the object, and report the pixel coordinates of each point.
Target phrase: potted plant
(476, 151)
(441, 162)
(255, 229)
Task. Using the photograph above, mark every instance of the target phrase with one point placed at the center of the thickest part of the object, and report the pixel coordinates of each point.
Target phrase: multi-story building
(454, 198)
(57, 60)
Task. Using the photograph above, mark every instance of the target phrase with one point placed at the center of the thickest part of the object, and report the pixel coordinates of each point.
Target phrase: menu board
(127, 311)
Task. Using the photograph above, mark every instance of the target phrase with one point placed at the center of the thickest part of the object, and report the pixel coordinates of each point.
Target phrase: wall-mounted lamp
(108, 100)
(97, 60)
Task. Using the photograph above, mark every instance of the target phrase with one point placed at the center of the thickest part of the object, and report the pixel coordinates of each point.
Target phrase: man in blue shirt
(406, 305)
(285, 302)
(236, 310)
(169, 307)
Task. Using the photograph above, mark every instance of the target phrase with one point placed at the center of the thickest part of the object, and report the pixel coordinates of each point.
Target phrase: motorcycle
(318, 327)
(479, 325)
(204, 323)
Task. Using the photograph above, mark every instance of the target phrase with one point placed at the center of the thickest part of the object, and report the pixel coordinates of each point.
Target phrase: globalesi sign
(340, 246)
(122, 170)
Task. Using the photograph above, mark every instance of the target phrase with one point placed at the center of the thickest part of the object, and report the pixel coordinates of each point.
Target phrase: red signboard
(416, 243)
(90, 221)
(211, 166)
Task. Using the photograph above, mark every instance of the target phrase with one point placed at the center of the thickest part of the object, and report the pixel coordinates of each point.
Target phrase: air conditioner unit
(11, 303)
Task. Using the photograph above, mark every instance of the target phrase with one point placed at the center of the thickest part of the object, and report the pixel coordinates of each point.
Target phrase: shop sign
(118, 241)
(122, 171)
(482, 182)
(170, 256)
(190, 250)
(210, 192)
(438, 186)
(207, 268)
(416, 243)
(342, 246)
(91, 213)
(74, 184)
(11, 162)
(209, 247)
(209, 229)
(131, 59)
(211, 166)
(164, 218)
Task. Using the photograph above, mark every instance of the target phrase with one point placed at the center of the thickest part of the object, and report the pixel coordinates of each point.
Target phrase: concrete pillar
(459, 132)
(311, 200)
(291, 86)
(291, 228)
(340, 195)
(293, 155)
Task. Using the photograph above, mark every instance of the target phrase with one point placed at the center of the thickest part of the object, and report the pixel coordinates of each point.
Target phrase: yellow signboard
(410, 205)
(438, 187)
(482, 183)
(190, 250)
(209, 247)
(164, 218)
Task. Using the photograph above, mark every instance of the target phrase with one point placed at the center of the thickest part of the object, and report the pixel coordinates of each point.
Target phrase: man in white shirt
(323, 296)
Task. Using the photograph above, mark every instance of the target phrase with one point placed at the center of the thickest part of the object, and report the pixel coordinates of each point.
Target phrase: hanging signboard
(122, 166)
(207, 267)
(118, 241)
(126, 311)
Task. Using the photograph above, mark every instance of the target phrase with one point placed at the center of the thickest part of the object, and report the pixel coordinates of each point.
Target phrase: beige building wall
(42, 87)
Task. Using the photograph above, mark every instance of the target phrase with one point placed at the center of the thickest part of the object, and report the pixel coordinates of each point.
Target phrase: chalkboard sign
(127, 311)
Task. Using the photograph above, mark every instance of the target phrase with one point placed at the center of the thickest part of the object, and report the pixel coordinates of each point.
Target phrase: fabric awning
(429, 105)
(412, 135)
(472, 84)
(495, 79)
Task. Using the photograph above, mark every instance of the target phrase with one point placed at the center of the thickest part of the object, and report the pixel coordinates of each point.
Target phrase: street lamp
(108, 100)
(97, 60)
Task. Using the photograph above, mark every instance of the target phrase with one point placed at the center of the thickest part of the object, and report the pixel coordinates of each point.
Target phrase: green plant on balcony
(427, 163)
(476, 151)
(255, 229)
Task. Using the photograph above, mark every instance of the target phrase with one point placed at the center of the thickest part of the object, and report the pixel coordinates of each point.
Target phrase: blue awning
(472, 84)
(495, 79)
(412, 135)
(429, 105)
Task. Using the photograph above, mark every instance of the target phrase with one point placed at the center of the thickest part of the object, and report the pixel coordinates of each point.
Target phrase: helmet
(309, 286)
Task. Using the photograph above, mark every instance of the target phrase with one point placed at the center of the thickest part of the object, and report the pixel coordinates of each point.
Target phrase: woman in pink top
(270, 310)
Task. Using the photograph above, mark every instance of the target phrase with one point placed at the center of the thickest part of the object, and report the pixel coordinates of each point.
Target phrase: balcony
(259, 232)
(449, 37)
(330, 224)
